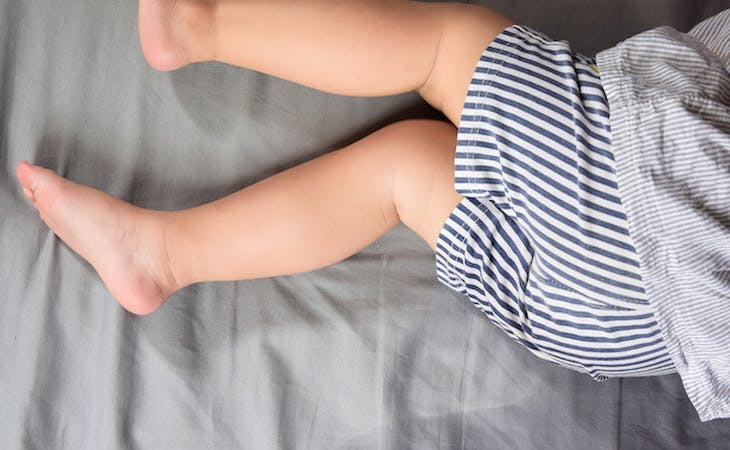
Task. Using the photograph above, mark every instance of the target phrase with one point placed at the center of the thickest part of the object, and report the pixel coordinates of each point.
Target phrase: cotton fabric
(669, 96)
(540, 242)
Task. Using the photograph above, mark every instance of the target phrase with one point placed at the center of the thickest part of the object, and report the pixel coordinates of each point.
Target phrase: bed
(370, 353)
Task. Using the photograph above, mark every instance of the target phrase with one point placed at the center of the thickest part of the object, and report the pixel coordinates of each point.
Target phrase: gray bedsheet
(369, 353)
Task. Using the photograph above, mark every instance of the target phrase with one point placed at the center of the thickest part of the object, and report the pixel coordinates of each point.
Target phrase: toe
(24, 172)
(28, 193)
(42, 186)
(33, 177)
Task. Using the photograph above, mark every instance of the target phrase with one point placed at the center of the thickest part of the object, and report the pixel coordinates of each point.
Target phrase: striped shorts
(541, 243)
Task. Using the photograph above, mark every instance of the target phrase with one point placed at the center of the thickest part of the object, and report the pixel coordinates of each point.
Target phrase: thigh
(466, 30)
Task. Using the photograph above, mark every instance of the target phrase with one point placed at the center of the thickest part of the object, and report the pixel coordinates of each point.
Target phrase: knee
(423, 181)
(422, 142)
(425, 129)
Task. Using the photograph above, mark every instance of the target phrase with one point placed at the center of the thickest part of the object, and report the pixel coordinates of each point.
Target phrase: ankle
(196, 25)
(175, 33)
(175, 266)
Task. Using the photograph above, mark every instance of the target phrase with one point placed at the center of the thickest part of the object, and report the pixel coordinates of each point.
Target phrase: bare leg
(351, 47)
(304, 218)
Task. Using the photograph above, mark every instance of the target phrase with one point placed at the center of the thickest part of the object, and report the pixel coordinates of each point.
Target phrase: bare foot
(175, 33)
(125, 244)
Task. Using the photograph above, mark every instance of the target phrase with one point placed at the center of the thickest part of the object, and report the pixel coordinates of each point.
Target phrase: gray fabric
(370, 353)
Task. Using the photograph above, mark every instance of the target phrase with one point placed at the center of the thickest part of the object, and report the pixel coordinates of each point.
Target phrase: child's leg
(304, 218)
(351, 47)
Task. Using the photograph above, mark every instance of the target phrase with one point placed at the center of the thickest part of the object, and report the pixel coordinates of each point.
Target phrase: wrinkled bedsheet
(369, 353)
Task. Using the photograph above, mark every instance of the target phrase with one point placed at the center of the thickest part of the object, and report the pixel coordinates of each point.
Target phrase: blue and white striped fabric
(669, 95)
(540, 242)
